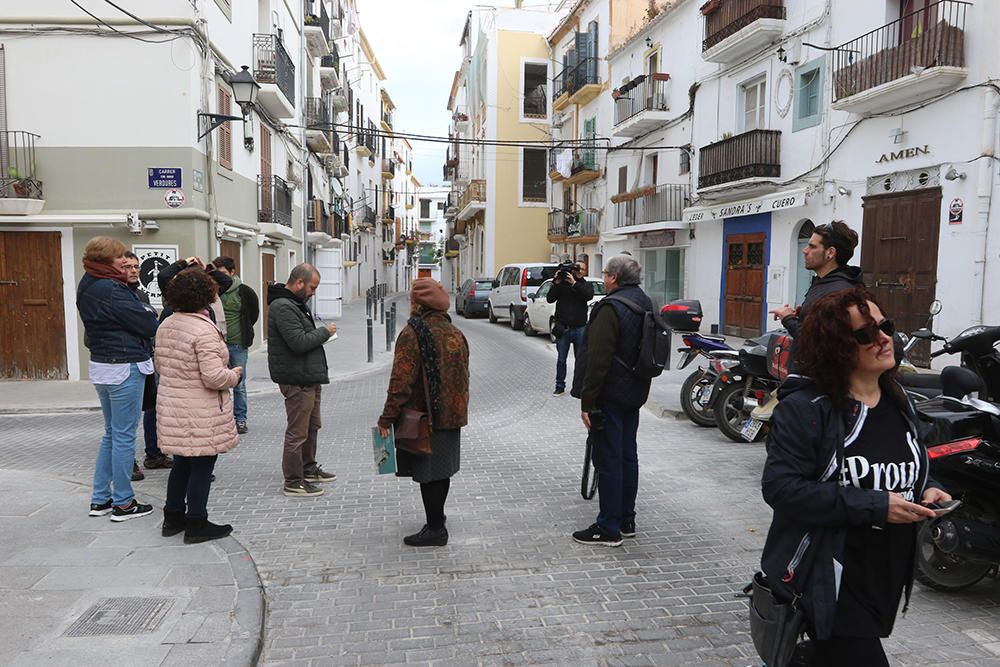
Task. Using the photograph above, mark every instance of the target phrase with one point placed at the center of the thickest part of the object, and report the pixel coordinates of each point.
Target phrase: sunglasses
(869, 335)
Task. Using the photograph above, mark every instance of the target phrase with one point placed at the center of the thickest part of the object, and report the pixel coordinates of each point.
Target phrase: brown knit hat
(429, 293)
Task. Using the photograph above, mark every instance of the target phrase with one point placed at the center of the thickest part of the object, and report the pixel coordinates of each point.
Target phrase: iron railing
(339, 224)
(322, 19)
(387, 117)
(584, 158)
(583, 224)
(731, 16)
(317, 219)
(272, 64)
(274, 203)
(389, 213)
(317, 114)
(389, 166)
(665, 204)
(753, 154)
(18, 177)
(557, 224)
(933, 36)
(644, 93)
(473, 192)
(366, 215)
(332, 60)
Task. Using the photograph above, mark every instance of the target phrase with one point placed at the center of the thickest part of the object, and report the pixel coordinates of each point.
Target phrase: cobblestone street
(511, 587)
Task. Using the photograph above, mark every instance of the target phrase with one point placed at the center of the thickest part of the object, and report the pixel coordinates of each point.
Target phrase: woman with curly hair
(430, 348)
(194, 412)
(847, 478)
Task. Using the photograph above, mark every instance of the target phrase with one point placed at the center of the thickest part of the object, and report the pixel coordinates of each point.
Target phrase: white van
(512, 287)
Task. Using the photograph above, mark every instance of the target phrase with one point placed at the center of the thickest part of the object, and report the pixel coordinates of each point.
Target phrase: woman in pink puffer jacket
(194, 411)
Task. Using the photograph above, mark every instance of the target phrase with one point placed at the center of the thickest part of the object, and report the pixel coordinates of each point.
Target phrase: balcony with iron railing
(365, 145)
(364, 217)
(388, 214)
(20, 189)
(583, 226)
(652, 205)
(317, 28)
(585, 166)
(460, 116)
(274, 201)
(329, 70)
(472, 200)
(735, 29)
(557, 226)
(905, 62)
(319, 129)
(554, 155)
(274, 70)
(388, 169)
(387, 120)
(317, 219)
(752, 155)
(339, 223)
(641, 105)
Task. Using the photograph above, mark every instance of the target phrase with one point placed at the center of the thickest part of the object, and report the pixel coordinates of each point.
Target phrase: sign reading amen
(152, 260)
(905, 153)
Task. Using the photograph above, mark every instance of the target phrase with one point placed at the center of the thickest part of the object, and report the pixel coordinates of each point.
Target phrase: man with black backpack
(624, 347)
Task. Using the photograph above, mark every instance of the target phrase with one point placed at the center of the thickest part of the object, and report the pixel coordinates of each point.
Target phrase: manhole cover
(121, 616)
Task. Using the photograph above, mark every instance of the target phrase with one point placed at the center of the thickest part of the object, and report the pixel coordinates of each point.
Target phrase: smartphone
(940, 509)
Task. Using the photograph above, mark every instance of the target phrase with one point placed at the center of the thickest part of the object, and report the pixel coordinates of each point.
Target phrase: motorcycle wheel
(696, 383)
(730, 413)
(945, 572)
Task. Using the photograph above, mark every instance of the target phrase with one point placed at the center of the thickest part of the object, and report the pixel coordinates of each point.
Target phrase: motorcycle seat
(921, 380)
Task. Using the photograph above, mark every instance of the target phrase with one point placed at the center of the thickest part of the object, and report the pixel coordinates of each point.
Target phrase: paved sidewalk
(77, 590)
(347, 356)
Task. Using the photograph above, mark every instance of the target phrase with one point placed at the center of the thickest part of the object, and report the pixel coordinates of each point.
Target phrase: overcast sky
(416, 42)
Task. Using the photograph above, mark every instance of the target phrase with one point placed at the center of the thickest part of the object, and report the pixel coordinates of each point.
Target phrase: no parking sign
(955, 209)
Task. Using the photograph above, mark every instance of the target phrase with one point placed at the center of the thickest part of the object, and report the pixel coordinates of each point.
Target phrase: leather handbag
(775, 627)
(413, 427)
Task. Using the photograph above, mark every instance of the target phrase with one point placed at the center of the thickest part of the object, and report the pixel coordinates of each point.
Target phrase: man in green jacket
(242, 310)
(297, 362)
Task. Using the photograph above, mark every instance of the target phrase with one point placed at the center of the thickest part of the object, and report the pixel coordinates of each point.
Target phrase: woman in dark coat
(848, 480)
(431, 344)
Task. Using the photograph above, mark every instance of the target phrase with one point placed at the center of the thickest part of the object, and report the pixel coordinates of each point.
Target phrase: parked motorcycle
(958, 549)
(763, 365)
(696, 392)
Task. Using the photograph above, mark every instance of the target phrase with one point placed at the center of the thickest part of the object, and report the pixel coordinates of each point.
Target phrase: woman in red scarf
(119, 330)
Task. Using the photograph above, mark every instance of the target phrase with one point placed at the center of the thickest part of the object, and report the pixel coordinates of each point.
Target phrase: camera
(565, 268)
(134, 224)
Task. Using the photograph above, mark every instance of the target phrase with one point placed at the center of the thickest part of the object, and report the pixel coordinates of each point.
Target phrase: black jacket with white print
(801, 482)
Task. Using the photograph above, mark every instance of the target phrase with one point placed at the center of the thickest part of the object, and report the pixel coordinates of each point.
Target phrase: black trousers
(839, 651)
(434, 494)
(188, 485)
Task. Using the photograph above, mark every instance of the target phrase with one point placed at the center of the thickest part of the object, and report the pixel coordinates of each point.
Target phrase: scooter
(696, 391)
(763, 365)
(958, 549)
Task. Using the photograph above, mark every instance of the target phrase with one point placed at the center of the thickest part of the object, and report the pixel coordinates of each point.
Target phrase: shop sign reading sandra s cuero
(776, 202)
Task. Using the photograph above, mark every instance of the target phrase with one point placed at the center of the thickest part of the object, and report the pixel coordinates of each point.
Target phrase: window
(535, 90)
(225, 132)
(653, 63)
(425, 208)
(663, 274)
(685, 162)
(533, 175)
(622, 180)
(440, 206)
(808, 95)
(754, 104)
(654, 164)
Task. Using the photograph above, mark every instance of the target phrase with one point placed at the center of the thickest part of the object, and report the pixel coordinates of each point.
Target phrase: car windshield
(544, 289)
(598, 288)
(484, 285)
(538, 275)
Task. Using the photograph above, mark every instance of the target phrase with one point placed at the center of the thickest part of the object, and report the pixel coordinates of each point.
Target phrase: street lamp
(245, 89)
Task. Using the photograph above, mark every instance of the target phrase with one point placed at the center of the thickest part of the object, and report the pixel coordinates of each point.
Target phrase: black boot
(173, 522)
(428, 537)
(203, 530)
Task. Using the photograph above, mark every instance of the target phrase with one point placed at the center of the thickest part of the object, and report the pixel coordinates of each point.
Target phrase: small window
(425, 208)
(685, 162)
(225, 132)
(754, 105)
(808, 95)
(535, 91)
(622, 180)
(440, 206)
(534, 175)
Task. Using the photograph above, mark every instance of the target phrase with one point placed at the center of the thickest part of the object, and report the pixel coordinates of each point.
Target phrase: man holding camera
(571, 292)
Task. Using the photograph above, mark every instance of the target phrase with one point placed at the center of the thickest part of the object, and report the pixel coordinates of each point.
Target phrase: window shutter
(225, 132)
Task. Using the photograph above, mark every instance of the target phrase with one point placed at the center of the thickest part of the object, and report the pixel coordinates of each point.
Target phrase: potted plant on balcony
(312, 20)
(23, 187)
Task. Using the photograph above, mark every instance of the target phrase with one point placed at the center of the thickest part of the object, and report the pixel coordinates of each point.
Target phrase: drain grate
(121, 616)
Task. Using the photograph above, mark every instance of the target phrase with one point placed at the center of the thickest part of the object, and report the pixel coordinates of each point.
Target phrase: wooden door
(231, 249)
(266, 172)
(32, 323)
(266, 280)
(899, 249)
(744, 297)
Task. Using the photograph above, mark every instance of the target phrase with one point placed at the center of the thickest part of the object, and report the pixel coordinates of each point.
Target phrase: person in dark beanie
(194, 410)
(610, 398)
(430, 347)
(242, 310)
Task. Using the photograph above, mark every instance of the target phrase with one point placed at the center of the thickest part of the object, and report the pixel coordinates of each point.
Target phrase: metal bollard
(371, 342)
(381, 311)
(388, 334)
(392, 319)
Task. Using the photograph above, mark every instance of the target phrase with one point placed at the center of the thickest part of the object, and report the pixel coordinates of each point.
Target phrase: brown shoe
(153, 462)
(137, 475)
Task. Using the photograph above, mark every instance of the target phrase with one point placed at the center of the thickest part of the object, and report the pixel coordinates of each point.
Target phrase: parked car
(540, 314)
(512, 287)
(473, 297)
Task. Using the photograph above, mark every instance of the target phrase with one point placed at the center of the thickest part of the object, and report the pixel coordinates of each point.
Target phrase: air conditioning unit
(336, 29)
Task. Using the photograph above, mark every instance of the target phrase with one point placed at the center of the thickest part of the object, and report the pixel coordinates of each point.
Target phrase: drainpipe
(985, 193)
(301, 95)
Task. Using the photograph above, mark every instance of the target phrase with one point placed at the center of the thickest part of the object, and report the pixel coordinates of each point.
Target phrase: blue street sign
(164, 177)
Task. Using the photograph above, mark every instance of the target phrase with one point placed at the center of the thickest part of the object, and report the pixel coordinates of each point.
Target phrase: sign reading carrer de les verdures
(164, 177)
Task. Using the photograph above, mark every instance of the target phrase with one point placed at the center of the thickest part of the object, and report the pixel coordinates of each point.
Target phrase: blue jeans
(617, 462)
(574, 336)
(121, 405)
(238, 357)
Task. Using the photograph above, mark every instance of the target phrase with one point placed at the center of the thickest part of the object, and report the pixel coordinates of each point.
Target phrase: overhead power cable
(128, 34)
(145, 23)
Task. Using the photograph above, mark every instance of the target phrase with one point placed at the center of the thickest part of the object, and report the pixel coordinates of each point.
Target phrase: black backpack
(654, 342)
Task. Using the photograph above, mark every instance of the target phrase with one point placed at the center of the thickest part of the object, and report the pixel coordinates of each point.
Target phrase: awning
(778, 201)
(648, 227)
